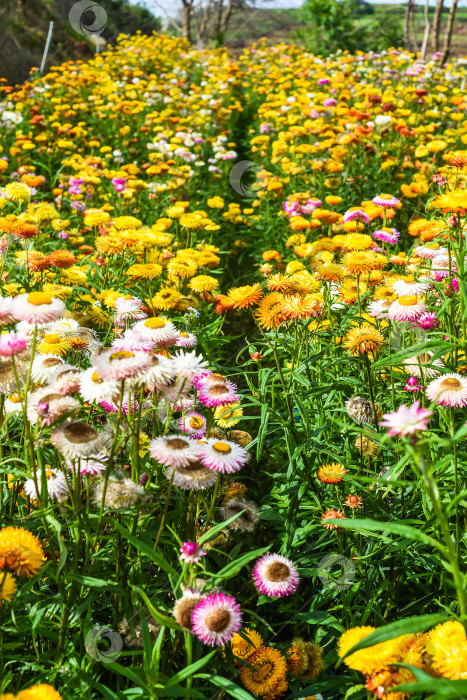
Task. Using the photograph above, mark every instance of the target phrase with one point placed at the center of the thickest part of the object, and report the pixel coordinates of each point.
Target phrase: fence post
(46, 49)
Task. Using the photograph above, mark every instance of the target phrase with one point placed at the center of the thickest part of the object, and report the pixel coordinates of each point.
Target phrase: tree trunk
(226, 16)
(186, 20)
(437, 24)
(408, 19)
(449, 28)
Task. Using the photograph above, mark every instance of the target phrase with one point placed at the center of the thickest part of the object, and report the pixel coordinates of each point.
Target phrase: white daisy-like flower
(92, 465)
(222, 455)
(118, 365)
(160, 330)
(94, 389)
(129, 308)
(13, 403)
(448, 390)
(6, 310)
(429, 251)
(47, 405)
(193, 477)
(67, 379)
(275, 576)
(64, 326)
(174, 391)
(174, 450)
(75, 439)
(422, 365)
(28, 328)
(57, 486)
(188, 364)
(134, 341)
(37, 307)
(161, 372)
(406, 308)
(44, 368)
(186, 340)
(411, 287)
(379, 308)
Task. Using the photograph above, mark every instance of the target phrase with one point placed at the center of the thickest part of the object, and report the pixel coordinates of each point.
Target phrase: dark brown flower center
(277, 571)
(217, 620)
(218, 389)
(51, 362)
(177, 444)
(79, 433)
(260, 674)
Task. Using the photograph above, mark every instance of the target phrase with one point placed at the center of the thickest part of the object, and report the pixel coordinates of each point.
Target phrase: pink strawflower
(330, 102)
(222, 455)
(214, 395)
(448, 390)
(216, 619)
(356, 215)
(412, 384)
(191, 552)
(12, 344)
(118, 365)
(174, 450)
(290, 207)
(385, 200)
(390, 235)
(407, 420)
(186, 340)
(427, 321)
(133, 341)
(406, 308)
(275, 576)
(193, 424)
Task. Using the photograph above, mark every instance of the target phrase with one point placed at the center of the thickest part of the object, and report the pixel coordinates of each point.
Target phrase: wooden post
(449, 28)
(46, 49)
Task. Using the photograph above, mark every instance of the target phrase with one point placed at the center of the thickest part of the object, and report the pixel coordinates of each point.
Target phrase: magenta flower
(412, 384)
(356, 215)
(216, 619)
(427, 321)
(12, 344)
(191, 552)
(275, 576)
(406, 420)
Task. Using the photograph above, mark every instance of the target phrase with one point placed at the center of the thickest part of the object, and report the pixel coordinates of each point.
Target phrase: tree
(449, 28)
(437, 24)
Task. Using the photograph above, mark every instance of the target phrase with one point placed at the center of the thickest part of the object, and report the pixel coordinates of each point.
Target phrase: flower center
(78, 433)
(121, 355)
(39, 298)
(96, 378)
(177, 444)
(50, 397)
(260, 674)
(407, 301)
(218, 389)
(14, 398)
(195, 422)
(222, 447)
(451, 384)
(155, 322)
(277, 571)
(385, 196)
(217, 620)
(51, 362)
(53, 339)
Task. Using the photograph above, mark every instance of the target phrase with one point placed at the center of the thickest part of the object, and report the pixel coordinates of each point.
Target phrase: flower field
(233, 376)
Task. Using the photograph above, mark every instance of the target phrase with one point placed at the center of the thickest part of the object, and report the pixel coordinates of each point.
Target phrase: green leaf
(189, 670)
(227, 685)
(132, 674)
(159, 617)
(217, 528)
(395, 528)
(55, 525)
(146, 549)
(233, 567)
(410, 625)
(94, 582)
(442, 688)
